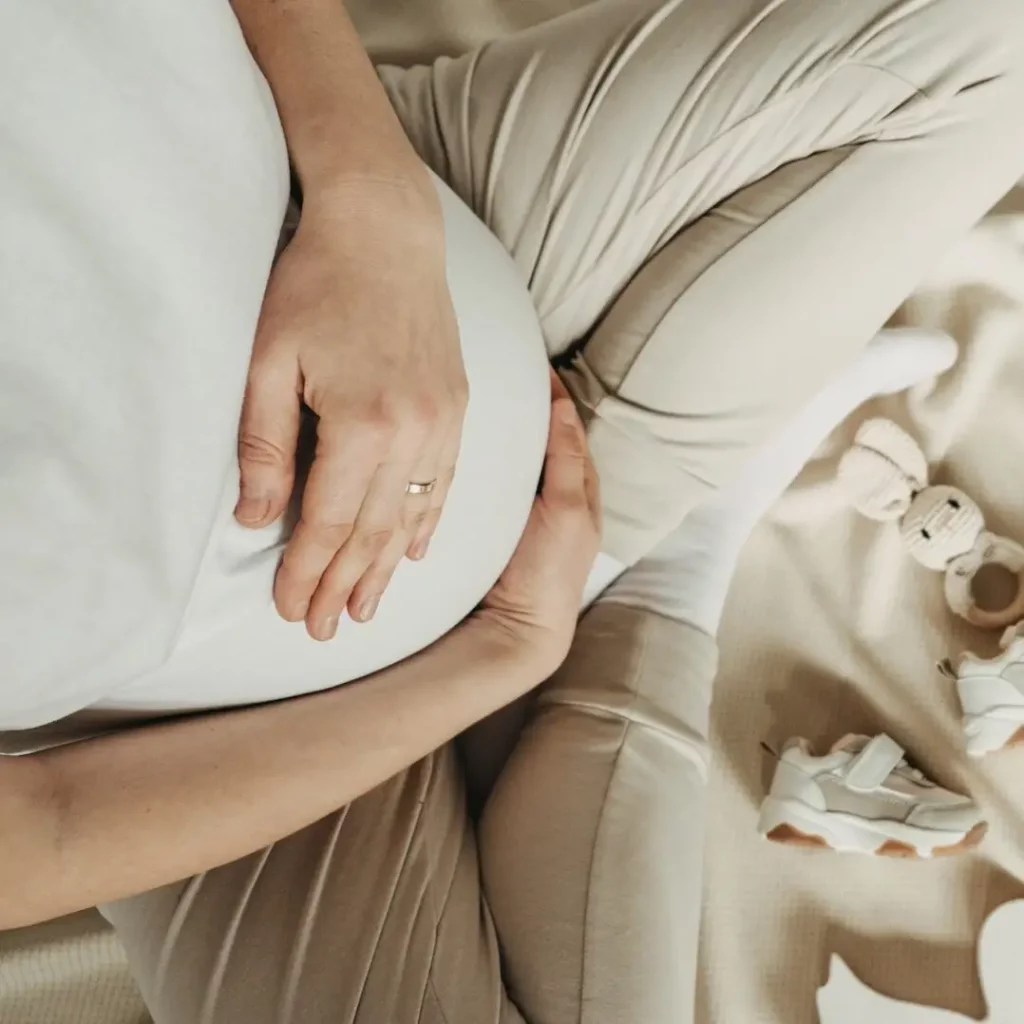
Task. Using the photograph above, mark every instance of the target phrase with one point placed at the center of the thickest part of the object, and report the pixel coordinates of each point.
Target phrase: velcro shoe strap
(874, 764)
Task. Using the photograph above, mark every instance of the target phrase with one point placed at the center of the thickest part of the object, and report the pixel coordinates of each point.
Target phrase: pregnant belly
(234, 649)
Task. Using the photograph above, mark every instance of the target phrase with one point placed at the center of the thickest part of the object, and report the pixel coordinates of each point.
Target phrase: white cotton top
(137, 240)
(235, 649)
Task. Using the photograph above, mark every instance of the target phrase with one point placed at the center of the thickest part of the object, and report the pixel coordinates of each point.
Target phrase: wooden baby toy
(885, 476)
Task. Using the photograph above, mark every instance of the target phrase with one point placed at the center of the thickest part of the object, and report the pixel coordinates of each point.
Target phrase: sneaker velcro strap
(874, 764)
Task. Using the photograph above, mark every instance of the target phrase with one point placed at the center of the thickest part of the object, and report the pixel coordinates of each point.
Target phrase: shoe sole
(790, 835)
(982, 745)
(794, 823)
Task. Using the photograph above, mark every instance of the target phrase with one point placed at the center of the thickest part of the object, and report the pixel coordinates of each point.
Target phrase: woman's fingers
(347, 458)
(379, 519)
(558, 389)
(591, 483)
(422, 518)
(565, 465)
(538, 594)
(267, 437)
(419, 505)
(359, 518)
(592, 489)
(366, 595)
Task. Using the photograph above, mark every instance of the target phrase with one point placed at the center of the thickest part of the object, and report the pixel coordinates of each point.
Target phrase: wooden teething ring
(960, 573)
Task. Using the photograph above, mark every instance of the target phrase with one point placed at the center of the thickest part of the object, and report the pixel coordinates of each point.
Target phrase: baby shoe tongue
(851, 743)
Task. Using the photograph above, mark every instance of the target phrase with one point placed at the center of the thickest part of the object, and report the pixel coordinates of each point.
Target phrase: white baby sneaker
(991, 694)
(863, 797)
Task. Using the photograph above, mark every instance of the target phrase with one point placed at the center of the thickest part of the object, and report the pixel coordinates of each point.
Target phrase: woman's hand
(536, 601)
(358, 324)
(271, 769)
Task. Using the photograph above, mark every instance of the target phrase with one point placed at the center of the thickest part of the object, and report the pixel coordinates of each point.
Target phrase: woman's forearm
(102, 819)
(337, 119)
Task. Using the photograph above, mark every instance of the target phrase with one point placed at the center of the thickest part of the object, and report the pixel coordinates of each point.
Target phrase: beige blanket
(831, 629)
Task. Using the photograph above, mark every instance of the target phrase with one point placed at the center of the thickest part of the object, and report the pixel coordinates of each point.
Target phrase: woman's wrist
(338, 120)
(403, 205)
(535, 653)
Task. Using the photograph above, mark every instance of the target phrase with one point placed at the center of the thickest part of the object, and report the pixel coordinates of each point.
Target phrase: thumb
(267, 437)
(564, 483)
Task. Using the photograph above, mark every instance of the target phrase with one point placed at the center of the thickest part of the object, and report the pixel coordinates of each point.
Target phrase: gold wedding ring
(414, 488)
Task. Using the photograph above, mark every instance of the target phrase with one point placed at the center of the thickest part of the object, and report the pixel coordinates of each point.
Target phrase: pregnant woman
(714, 207)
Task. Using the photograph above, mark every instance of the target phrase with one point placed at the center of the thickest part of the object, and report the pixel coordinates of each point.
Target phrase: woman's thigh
(717, 202)
(372, 914)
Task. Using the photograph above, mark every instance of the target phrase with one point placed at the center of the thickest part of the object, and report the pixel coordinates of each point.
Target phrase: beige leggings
(716, 203)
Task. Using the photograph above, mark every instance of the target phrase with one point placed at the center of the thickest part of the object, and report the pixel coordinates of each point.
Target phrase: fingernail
(419, 549)
(326, 628)
(368, 608)
(291, 606)
(295, 612)
(252, 510)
